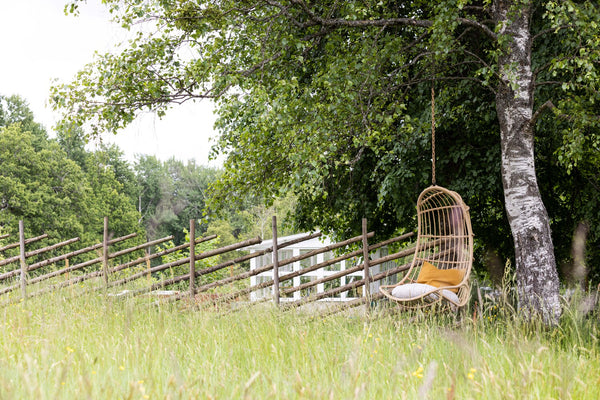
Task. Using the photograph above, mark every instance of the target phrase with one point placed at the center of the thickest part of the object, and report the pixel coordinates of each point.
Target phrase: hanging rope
(432, 135)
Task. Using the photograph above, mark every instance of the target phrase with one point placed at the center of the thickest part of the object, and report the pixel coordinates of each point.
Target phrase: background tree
(42, 187)
(14, 109)
(330, 100)
(52, 193)
(111, 198)
(170, 193)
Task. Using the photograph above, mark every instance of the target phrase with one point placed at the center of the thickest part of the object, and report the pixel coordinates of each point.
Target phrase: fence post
(192, 260)
(148, 266)
(23, 261)
(366, 263)
(105, 253)
(275, 263)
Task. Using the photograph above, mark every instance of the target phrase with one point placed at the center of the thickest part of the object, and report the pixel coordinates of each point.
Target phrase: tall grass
(98, 347)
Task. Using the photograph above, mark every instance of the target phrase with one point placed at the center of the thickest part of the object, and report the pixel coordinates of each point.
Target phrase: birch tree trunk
(537, 278)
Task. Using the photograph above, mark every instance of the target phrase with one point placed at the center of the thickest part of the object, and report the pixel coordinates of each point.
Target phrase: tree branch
(549, 63)
(469, 22)
(445, 78)
(549, 30)
(547, 105)
(314, 19)
(543, 83)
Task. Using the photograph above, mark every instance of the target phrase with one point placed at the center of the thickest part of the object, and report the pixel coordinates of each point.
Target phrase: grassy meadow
(96, 347)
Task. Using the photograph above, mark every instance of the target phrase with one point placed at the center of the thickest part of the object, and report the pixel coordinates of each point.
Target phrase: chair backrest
(445, 235)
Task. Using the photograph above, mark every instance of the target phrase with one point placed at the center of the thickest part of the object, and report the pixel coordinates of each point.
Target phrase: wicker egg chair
(444, 247)
(441, 267)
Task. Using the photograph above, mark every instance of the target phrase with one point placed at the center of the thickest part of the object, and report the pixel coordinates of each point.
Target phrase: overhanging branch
(314, 19)
(550, 30)
(547, 105)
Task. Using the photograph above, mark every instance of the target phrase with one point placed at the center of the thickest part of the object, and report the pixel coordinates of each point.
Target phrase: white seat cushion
(411, 290)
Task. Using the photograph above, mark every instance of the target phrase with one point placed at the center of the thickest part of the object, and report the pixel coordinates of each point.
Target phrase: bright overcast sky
(40, 43)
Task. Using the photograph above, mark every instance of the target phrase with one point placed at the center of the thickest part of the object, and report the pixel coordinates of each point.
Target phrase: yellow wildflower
(471, 374)
(418, 373)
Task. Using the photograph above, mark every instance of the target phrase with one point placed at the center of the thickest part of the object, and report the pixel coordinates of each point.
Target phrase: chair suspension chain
(432, 135)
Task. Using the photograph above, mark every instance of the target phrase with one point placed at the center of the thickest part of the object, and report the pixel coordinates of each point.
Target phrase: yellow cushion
(430, 275)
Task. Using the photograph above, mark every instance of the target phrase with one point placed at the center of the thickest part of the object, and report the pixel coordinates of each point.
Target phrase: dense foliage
(331, 101)
(170, 193)
(53, 188)
(60, 187)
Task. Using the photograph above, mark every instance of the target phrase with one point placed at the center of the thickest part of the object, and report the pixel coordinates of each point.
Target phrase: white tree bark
(537, 278)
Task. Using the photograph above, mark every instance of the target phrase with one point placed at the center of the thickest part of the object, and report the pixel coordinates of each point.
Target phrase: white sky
(39, 43)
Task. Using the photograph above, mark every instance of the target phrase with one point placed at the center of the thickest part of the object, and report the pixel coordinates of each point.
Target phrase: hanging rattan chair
(441, 266)
(440, 269)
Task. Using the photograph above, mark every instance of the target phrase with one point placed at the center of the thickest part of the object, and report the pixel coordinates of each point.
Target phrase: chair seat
(443, 253)
(412, 290)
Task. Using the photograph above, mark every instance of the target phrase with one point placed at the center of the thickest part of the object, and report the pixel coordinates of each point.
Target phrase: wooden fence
(204, 281)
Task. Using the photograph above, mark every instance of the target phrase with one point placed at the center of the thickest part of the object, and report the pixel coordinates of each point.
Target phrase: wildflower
(141, 381)
(471, 374)
(418, 373)
(70, 350)
(122, 368)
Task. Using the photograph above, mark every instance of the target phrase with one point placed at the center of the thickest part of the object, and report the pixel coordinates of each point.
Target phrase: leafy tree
(251, 219)
(111, 155)
(73, 141)
(14, 109)
(41, 187)
(149, 175)
(330, 100)
(110, 199)
(171, 193)
(52, 193)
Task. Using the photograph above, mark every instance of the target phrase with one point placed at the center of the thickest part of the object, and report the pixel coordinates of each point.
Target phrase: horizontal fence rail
(17, 244)
(315, 267)
(145, 275)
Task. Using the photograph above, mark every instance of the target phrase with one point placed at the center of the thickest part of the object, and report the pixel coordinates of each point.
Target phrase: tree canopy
(331, 101)
(61, 188)
(54, 194)
(172, 192)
